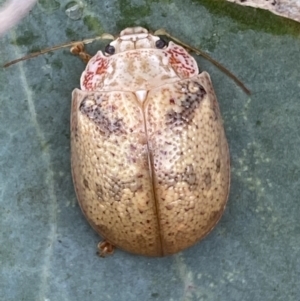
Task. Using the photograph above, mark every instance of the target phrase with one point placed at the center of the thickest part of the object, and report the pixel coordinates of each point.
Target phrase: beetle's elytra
(150, 159)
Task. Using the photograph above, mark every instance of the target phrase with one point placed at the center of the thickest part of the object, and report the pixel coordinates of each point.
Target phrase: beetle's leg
(199, 52)
(105, 248)
(105, 36)
(78, 49)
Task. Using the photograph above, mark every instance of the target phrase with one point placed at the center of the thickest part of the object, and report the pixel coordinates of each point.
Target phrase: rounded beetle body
(150, 159)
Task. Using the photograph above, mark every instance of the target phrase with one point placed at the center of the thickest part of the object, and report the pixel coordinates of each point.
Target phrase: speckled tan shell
(150, 159)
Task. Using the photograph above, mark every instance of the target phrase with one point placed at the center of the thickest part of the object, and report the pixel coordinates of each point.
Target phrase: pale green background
(48, 250)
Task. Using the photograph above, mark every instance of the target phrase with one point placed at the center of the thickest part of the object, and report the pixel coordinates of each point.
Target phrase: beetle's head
(134, 38)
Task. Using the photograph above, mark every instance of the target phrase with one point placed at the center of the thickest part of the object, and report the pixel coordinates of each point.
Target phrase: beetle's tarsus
(78, 49)
(199, 52)
(105, 248)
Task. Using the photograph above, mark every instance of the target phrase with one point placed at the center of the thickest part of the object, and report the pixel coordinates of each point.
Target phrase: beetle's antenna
(105, 36)
(163, 32)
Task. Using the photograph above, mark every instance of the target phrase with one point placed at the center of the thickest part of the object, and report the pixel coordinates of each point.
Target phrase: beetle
(149, 155)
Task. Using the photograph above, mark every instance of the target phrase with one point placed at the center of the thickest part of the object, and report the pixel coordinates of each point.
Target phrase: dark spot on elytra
(216, 110)
(170, 179)
(207, 179)
(99, 191)
(86, 183)
(190, 101)
(215, 215)
(102, 229)
(92, 108)
(132, 147)
(218, 165)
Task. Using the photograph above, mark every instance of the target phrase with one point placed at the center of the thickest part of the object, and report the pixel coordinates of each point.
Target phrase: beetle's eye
(109, 49)
(161, 43)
